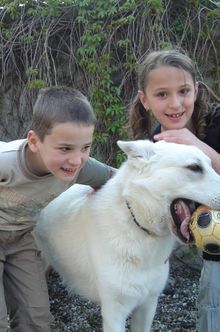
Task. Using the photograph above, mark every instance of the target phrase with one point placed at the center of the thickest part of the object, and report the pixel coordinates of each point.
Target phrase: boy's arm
(95, 173)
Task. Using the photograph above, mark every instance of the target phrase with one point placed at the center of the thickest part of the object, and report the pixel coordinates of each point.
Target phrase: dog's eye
(138, 156)
(195, 168)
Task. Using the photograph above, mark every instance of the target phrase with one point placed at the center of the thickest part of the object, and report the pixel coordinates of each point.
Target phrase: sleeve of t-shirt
(95, 173)
(8, 160)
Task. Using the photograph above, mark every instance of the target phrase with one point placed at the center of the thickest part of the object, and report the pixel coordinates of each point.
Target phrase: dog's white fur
(91, 238)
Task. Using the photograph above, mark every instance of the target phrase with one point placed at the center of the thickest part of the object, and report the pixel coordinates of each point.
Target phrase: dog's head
(171, 180)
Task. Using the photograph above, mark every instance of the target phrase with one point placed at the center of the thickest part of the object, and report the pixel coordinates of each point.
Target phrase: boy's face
(63, 152)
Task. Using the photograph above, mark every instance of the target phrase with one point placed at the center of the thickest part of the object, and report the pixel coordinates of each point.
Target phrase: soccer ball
(205, 228)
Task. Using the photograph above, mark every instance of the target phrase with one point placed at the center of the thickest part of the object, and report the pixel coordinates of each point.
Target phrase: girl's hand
(179, 136)
(184, 136)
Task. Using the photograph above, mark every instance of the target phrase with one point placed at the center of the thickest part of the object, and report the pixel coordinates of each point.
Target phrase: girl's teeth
(175, 115)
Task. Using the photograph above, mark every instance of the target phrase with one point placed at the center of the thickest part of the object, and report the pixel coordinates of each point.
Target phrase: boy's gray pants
(208, 302)
(23, 287)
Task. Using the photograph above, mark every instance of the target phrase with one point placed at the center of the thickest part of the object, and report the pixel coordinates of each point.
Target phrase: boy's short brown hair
(59, 105)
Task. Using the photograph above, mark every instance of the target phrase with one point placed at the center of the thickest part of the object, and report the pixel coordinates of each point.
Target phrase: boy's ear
(33, 140)
(143, 99)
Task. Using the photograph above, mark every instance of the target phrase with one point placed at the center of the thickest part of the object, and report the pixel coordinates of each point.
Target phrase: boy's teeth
(68, 169)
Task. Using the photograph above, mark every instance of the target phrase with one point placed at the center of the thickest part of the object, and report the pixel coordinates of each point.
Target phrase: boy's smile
(63, 152)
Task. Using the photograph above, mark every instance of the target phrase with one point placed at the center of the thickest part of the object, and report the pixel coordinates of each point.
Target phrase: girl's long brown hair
(140, 121)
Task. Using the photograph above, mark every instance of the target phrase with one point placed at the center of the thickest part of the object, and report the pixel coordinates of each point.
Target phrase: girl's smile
(175, 116)
(170, 94)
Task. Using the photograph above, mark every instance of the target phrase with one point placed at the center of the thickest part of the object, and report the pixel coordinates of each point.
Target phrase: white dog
(113, 245)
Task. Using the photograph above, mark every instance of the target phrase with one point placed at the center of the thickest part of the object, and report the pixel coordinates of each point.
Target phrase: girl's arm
(184, 136)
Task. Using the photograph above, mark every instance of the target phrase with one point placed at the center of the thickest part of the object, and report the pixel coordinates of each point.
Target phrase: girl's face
(170, 94)
(62, 153)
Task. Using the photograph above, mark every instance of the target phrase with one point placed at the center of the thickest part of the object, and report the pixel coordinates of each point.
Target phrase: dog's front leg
(114, 317)
(143, 315)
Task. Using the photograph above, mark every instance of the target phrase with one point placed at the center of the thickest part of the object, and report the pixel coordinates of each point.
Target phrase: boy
(33, 171)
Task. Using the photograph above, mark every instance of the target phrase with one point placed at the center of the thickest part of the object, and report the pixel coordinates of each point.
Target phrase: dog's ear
(137, 149)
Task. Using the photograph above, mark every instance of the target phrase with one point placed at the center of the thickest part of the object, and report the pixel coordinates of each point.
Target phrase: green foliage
(217, 83)
(104, 94)
(35, 84)
(31, 72)
(194, 3)
(95, 45)
(177, 26)
(214, 14)
(156, 5)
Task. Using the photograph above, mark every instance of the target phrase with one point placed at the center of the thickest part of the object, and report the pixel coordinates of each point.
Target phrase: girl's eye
(184, 91)
(161, 94)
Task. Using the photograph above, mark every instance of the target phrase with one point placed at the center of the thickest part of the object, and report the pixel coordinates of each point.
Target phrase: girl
(188, 112)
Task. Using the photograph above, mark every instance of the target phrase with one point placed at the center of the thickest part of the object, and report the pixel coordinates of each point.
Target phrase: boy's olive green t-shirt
(23, 194)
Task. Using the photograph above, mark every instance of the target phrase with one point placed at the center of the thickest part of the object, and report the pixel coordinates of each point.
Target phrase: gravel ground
(176, 311)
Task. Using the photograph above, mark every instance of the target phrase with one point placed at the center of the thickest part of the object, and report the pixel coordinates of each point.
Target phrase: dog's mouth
(181, 211)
